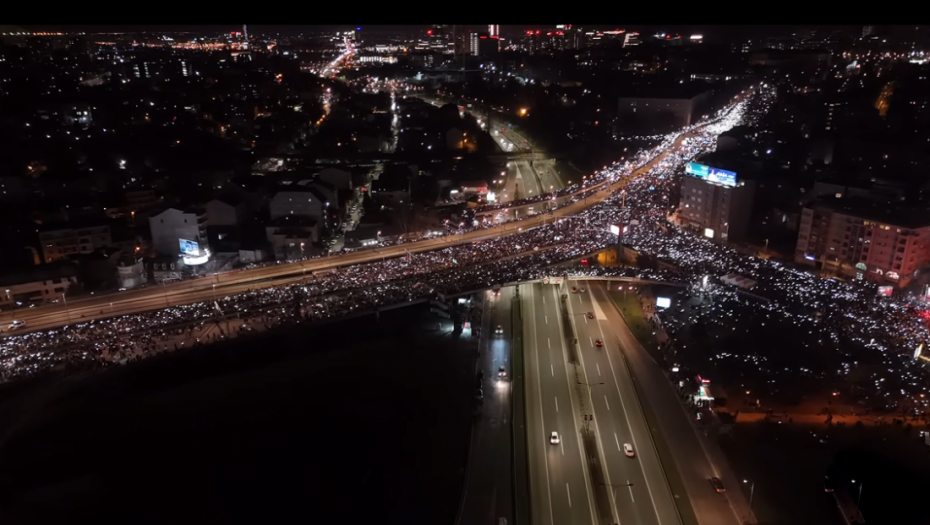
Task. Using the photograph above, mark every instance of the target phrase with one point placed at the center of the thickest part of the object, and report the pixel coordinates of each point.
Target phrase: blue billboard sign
(715, 175)
(189, 247)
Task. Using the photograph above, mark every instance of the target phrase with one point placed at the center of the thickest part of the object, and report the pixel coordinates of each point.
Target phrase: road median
(518, 443)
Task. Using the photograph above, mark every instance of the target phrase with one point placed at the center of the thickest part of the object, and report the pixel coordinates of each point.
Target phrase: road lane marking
(586, 319)
(598, 368)
(552, 370)
(569, 492)
(547, 319)
(556, 404)
(617, 441)
(629, 426)
(549, 342)
(542, 418)
(562, 447)
(630, 486)
(607, 402)
(572, 392)
(592, 340)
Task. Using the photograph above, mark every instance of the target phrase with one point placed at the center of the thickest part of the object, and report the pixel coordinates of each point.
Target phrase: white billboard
(189, 247)
(552, 280)
(663, 302)
(615, 229)
(708, 233)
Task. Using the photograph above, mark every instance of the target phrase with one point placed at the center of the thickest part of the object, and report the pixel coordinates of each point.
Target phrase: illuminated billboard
(885, 290)
(714, 175)
(615, 229)
(663, 302)
(189, 247)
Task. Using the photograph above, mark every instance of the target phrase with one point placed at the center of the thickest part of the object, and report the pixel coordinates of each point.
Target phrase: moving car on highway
(16, 325)
(590, 315)
(628, 450)
(499, 330)
(554, 438)
(598, 343)
(501, 372)
(717, 484)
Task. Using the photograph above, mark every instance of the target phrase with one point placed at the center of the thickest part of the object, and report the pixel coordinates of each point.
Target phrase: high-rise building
(544, 41)
(868, 30)
(718, 210)
(440, 38)
(494, 30)
(482, 44)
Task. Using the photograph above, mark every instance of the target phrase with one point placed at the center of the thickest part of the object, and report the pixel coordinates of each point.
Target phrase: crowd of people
(874, 336)
(864, 327)
(520, 256)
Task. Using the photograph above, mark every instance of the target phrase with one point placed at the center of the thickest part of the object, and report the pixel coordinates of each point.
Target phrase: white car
(554, 438)
(16, 325)
(628, 450)
(499, 330)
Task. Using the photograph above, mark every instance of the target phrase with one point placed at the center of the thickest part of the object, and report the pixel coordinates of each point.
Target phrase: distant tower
(867, 31)
(494, 30)
(245, 32)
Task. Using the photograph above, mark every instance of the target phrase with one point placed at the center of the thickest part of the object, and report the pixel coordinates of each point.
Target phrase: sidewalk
(712, 449)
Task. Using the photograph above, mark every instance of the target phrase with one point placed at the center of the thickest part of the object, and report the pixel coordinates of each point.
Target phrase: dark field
(787, 464)
(360, 421)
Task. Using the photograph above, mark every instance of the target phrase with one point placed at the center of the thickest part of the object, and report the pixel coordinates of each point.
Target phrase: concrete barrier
(518, 439)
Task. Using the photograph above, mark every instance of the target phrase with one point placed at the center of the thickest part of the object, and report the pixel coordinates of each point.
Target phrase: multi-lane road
(488, 488)
(560, 487)
(525, 178)
(692, 460)
(559, 394)
(639, 490)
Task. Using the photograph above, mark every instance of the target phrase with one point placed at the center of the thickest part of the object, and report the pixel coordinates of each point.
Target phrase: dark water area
(362, 420)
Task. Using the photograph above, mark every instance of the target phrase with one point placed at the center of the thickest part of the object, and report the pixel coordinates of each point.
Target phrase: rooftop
(891, 213)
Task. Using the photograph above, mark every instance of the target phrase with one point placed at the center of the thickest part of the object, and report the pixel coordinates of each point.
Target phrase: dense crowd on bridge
(851, 315)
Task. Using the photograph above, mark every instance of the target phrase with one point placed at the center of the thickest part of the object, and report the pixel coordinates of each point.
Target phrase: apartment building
(58, 242)
(864, 241)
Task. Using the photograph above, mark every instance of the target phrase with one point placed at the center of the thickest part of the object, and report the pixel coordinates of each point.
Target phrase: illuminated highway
(690, 457)
(560, 487)
(637, 485)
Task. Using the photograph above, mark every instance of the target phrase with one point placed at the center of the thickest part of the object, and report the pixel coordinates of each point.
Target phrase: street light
(752, 489)
(859, 497)
(68, 310)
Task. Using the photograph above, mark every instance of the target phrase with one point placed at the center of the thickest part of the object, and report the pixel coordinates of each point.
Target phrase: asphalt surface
(559, 484)
(548, 179)
(489, 490)
(638, 486)
(690, 457)
(191, 291)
